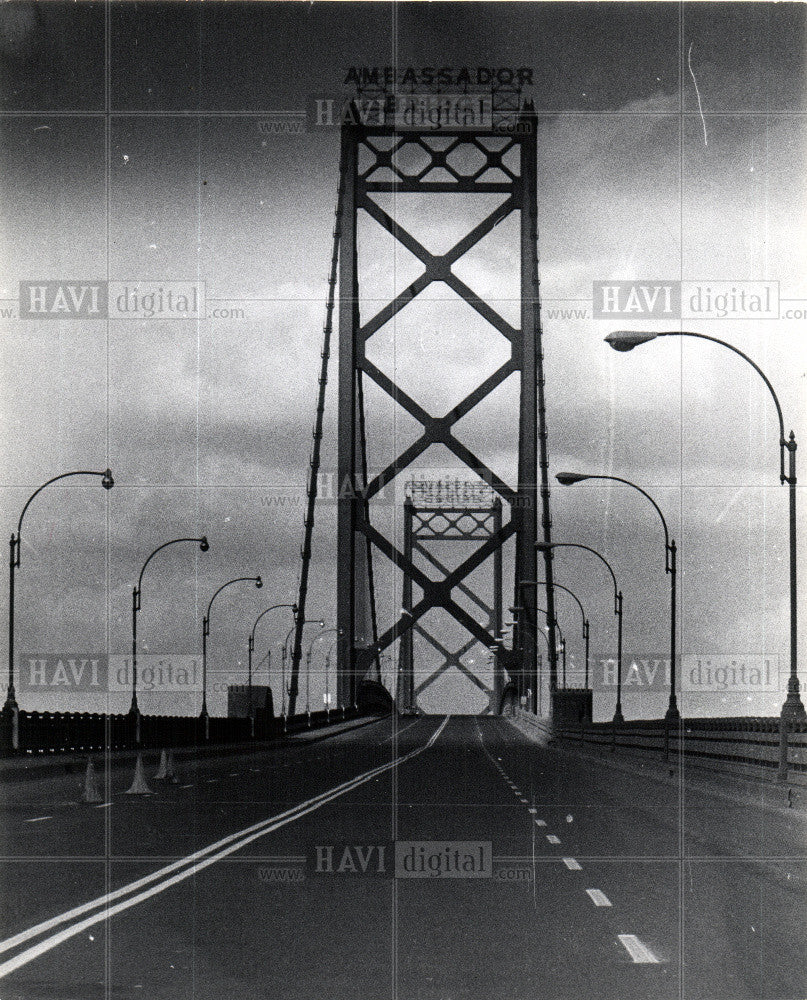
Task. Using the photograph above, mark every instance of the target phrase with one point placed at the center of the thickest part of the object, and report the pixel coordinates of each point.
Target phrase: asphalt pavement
(412, 859)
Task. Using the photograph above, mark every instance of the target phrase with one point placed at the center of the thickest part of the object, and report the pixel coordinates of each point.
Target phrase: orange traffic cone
(139, 786)
(90, 793)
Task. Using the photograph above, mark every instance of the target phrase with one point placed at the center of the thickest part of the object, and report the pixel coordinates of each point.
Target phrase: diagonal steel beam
(462, 587)
(464, 454)
(438, 268)
(432, 678)
(385, 382)
(441, 649)
(403, 460)
(479, 393)
(468, 565)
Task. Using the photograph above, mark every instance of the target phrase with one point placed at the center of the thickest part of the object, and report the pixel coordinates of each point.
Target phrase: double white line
(105, 907)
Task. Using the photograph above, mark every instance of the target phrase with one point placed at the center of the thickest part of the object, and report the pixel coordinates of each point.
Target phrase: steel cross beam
(451, 660)
(514, 177)
(439, 523)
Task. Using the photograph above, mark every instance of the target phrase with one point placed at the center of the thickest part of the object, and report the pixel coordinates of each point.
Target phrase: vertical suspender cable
(314, 464)
(366, 513)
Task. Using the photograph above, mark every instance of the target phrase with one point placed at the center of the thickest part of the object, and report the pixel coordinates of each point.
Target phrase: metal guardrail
(765, 745)
(70, 732)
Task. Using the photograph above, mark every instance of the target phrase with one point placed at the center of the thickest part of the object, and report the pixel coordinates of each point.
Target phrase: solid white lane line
(400, 731)
(638, 951)
(187, 866)
(38, 819)
(572, 864)
(552, 838)
(598, 897)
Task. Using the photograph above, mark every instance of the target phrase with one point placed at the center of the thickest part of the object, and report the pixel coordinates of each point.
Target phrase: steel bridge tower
(378, 146)
(436, 513)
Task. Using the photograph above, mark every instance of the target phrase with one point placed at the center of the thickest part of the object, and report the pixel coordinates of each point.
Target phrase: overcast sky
(671, 146)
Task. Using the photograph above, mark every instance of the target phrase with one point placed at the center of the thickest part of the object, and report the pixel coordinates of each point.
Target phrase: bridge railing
(70, 732)
(760, 745)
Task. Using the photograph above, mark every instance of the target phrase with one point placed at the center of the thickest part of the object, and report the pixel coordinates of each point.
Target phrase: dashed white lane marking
(186, 786)
(211, 781)
(38, 819)
(532, 810)
(522, 799)
(638, 951)
(104, 805)
(234, 774)
(573, 865)
(540, 822)
(552, 838)
(598, 897)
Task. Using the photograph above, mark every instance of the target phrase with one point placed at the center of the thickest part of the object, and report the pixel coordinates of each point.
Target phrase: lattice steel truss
(381, 149)
(424, 524)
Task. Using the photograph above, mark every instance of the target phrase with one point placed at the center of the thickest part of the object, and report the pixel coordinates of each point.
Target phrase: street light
(284, 656)
(618, 716)
(14, 563)
(327, 687)
(136, 590)
(251, 646)
(327, 631)
(562, 649)
(206, 631)
(542, 583)
(670, 561)
(626, 340)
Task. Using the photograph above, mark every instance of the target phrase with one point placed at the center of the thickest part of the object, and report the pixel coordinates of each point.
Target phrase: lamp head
(626, 340)
(107, 481)
(204, 545)
(569, 478)
(258, 582)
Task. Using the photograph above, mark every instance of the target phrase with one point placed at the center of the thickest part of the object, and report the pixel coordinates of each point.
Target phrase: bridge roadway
(605, 883)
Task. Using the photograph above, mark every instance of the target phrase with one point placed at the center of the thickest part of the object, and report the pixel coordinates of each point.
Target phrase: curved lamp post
(670, 562)
(327, 631)
(206, 632)
(14, 563)
(251, 647)
(499, 639)
(136, 590)
(284, 656)
(618, 716)
(586, 631)
(327, 688)
(626, 340)
(561, 649)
